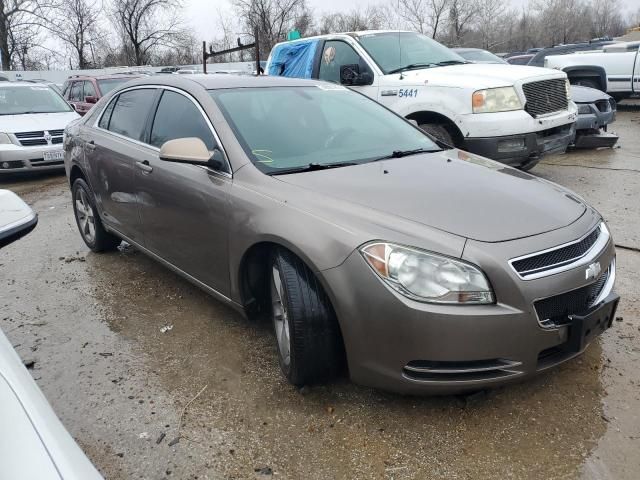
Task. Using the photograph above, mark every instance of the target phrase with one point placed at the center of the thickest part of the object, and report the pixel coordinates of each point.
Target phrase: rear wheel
(307, 334)
(88, 220)
(439, 132)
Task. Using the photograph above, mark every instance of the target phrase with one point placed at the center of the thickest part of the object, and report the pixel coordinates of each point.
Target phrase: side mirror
(192, 150)
(73, 106)
(350, 75)
(90, 99)
(16, 218)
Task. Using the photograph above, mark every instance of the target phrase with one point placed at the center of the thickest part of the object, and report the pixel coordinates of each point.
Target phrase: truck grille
(556, 258)
(545, 96)
(555, 311)
(39, 138)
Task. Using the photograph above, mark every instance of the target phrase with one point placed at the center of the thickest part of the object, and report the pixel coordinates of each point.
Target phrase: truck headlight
(492, 100)
(567, 86)
(426, 276)
(4, 138)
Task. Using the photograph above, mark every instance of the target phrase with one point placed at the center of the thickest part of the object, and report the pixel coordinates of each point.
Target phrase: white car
(32, 122)
(511, 114)
(615, 70)
(33, 443)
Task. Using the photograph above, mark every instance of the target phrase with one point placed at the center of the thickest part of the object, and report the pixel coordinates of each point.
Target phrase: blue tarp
(293, 59)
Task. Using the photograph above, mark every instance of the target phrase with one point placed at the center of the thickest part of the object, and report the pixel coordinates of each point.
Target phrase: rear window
(108, 84)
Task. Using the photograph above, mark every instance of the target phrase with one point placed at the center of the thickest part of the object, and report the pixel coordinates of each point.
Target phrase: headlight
(583, 108)
(492, 100)
(427, 277)
(567, 86)
(4, 138)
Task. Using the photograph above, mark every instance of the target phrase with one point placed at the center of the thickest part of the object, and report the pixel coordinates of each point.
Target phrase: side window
(66, 90)
(130, 113)
(76, 92)
(178, 117)
(106, 116)
(335, 54)
(89, 91)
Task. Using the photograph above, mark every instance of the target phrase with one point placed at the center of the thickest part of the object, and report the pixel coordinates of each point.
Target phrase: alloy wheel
(280, 317)
(86, 219)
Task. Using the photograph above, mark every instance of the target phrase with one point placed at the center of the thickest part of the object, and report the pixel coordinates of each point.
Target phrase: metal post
(257, 43)
(204, 57)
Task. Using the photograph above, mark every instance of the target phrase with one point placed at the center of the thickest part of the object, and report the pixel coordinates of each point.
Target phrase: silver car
(368, 245)
(32, 122)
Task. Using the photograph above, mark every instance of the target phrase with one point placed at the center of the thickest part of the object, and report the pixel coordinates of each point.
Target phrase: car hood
(36, 122)
(474, 75)
(581, 94)
(452, 191)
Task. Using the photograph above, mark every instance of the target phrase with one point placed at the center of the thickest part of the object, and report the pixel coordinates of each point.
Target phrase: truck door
(337, 54)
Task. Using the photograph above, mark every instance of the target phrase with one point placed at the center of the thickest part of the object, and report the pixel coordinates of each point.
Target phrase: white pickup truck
(508, 113)
(615, 69)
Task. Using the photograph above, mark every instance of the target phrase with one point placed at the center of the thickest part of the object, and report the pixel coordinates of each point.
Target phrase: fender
(588, 71)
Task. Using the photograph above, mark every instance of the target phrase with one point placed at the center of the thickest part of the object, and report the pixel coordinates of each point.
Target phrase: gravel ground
(205, 399)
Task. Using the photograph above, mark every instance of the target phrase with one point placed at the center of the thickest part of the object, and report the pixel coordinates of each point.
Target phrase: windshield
(20, 100)
(283, 128)
(480, 56)
(108, 84)
(393, 51)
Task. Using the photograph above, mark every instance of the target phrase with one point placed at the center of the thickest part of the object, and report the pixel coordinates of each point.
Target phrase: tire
(439, 132)
(586, 82)
(307, 334)
(89, 224)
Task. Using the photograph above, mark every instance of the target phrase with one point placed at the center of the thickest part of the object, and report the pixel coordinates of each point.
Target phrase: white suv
(32, 122)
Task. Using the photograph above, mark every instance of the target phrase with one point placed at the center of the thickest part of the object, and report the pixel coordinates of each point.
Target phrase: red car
(83, 91)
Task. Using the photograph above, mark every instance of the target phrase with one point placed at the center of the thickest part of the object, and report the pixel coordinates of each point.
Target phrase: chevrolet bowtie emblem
(592, 270)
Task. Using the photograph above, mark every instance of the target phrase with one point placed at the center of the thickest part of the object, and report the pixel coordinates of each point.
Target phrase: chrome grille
(40, 138)
(545, 96)
(556, 258)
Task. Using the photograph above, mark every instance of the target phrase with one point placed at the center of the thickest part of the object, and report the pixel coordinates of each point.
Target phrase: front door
(184, 208)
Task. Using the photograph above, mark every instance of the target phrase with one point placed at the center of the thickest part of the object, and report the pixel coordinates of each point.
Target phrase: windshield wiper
(404, 153)
(451, 62)
(310, 167)
(410, 67)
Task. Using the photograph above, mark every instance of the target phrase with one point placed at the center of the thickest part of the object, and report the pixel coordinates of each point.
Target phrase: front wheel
(439, 132)
(88, 220)
(307, 333)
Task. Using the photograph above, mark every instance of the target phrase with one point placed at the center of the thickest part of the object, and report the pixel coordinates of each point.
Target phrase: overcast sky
(202, 15)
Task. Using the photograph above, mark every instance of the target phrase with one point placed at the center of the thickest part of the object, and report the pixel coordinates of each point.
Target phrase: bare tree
(16, 23)
(146, 25)
(272, 18)
(606, 18)
(424, 16)
(76, 23)
(488, 18)
(461, 14)
(369, 18)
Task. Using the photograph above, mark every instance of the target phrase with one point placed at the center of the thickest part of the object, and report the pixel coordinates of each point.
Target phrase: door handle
(144, 166)
(91, 145)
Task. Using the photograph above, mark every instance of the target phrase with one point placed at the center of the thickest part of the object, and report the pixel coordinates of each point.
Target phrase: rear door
(113, 147)
(75, 95)
(183, 208)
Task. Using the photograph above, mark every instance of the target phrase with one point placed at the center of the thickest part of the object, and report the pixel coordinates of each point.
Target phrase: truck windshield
(22, 100)
(397, 51)
(284, 129)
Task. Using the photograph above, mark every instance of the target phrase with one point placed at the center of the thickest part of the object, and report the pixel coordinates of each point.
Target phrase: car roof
(222, 81)
(468, 49)
(103, 77)
(21, 84)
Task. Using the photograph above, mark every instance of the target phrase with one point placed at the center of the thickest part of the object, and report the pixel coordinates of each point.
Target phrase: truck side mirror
(90, 99)
(350, 75)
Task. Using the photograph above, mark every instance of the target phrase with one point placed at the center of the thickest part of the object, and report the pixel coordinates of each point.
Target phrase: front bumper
(524, 150)
(592, 119)
(394, 343)
(15, 159)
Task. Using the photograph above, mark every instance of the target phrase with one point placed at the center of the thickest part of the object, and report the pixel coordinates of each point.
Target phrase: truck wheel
(585, 82)
(439, 132)
(307, 334)
(88, 220)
